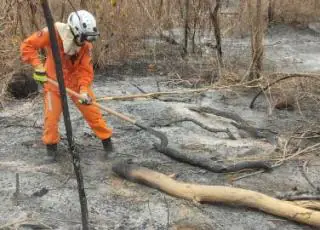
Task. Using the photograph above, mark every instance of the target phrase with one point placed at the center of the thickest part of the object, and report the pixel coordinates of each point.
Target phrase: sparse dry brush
(190, 53)
(124, 30)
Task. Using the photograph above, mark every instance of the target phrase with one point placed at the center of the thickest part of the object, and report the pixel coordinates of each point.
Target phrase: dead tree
(186, 26)
(257, 33)
(63, 10)
(271, 7)
(20, 20)
(159, 14)
(83, 4)
(215, 20)
(180, 8)
(33, 13)
(196, 19)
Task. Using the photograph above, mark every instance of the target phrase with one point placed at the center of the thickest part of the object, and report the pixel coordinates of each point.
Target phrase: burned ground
(48, 192)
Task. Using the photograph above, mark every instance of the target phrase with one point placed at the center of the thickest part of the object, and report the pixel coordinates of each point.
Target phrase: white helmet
(83, 26)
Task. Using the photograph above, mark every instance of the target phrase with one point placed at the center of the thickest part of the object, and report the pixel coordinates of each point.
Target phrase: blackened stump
(22, 85)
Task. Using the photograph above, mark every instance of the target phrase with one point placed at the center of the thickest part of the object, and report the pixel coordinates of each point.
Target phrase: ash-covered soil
(48, 192)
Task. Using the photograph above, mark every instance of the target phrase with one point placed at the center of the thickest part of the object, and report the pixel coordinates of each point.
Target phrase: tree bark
(33, 11)
(19, 20)
(160, 10)
(83, 4)
(186, 26)
(214, 194)
(271, 8)
(257, 48)
(215, 20)
(63, 10)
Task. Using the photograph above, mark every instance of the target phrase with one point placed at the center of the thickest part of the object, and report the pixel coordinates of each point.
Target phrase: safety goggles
(90, 36)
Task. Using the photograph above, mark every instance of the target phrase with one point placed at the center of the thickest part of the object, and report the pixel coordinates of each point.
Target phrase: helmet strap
(78, 38)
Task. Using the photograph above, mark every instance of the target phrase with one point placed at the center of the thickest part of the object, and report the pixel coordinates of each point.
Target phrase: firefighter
(75, 43)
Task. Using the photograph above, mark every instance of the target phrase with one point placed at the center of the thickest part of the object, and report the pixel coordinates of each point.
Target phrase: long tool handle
(120, 115)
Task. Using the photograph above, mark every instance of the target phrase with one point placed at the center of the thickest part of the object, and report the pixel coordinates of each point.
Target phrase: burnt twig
(138, 87)
(292, 197)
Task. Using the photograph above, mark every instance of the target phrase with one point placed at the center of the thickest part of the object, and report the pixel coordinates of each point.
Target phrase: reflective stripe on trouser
(53, 110)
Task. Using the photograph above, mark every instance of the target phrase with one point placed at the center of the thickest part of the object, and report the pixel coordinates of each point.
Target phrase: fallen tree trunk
(214, 194)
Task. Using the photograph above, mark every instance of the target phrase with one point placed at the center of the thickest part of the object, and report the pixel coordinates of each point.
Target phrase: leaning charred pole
(66, 115)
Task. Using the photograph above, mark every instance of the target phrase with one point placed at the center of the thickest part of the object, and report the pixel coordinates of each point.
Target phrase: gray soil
(118, 204)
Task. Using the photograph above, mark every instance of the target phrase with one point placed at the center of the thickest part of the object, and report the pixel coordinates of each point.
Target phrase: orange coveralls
(78, 75)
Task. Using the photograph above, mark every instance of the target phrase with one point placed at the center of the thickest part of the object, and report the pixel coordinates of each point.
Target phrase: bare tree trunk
(227, 2)
(83, 4)
(186, 25)
(196, 18)
(160, 9)
(63, 9)
(19, 20)
(168, 8)
(257, 33)
(258, 45)
(242, 8)
(181, 8)
(33, 10)
(194, 35)
(271, 8)
(215, 20)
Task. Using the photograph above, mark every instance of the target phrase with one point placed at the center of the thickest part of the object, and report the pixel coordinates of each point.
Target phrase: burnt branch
(210, 129)
(240, 123)
(219, 113)
(257, 133)
(298, 196)
(287, 76)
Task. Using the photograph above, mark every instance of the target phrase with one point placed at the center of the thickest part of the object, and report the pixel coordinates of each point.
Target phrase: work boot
(107, 145)
(52, 150)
